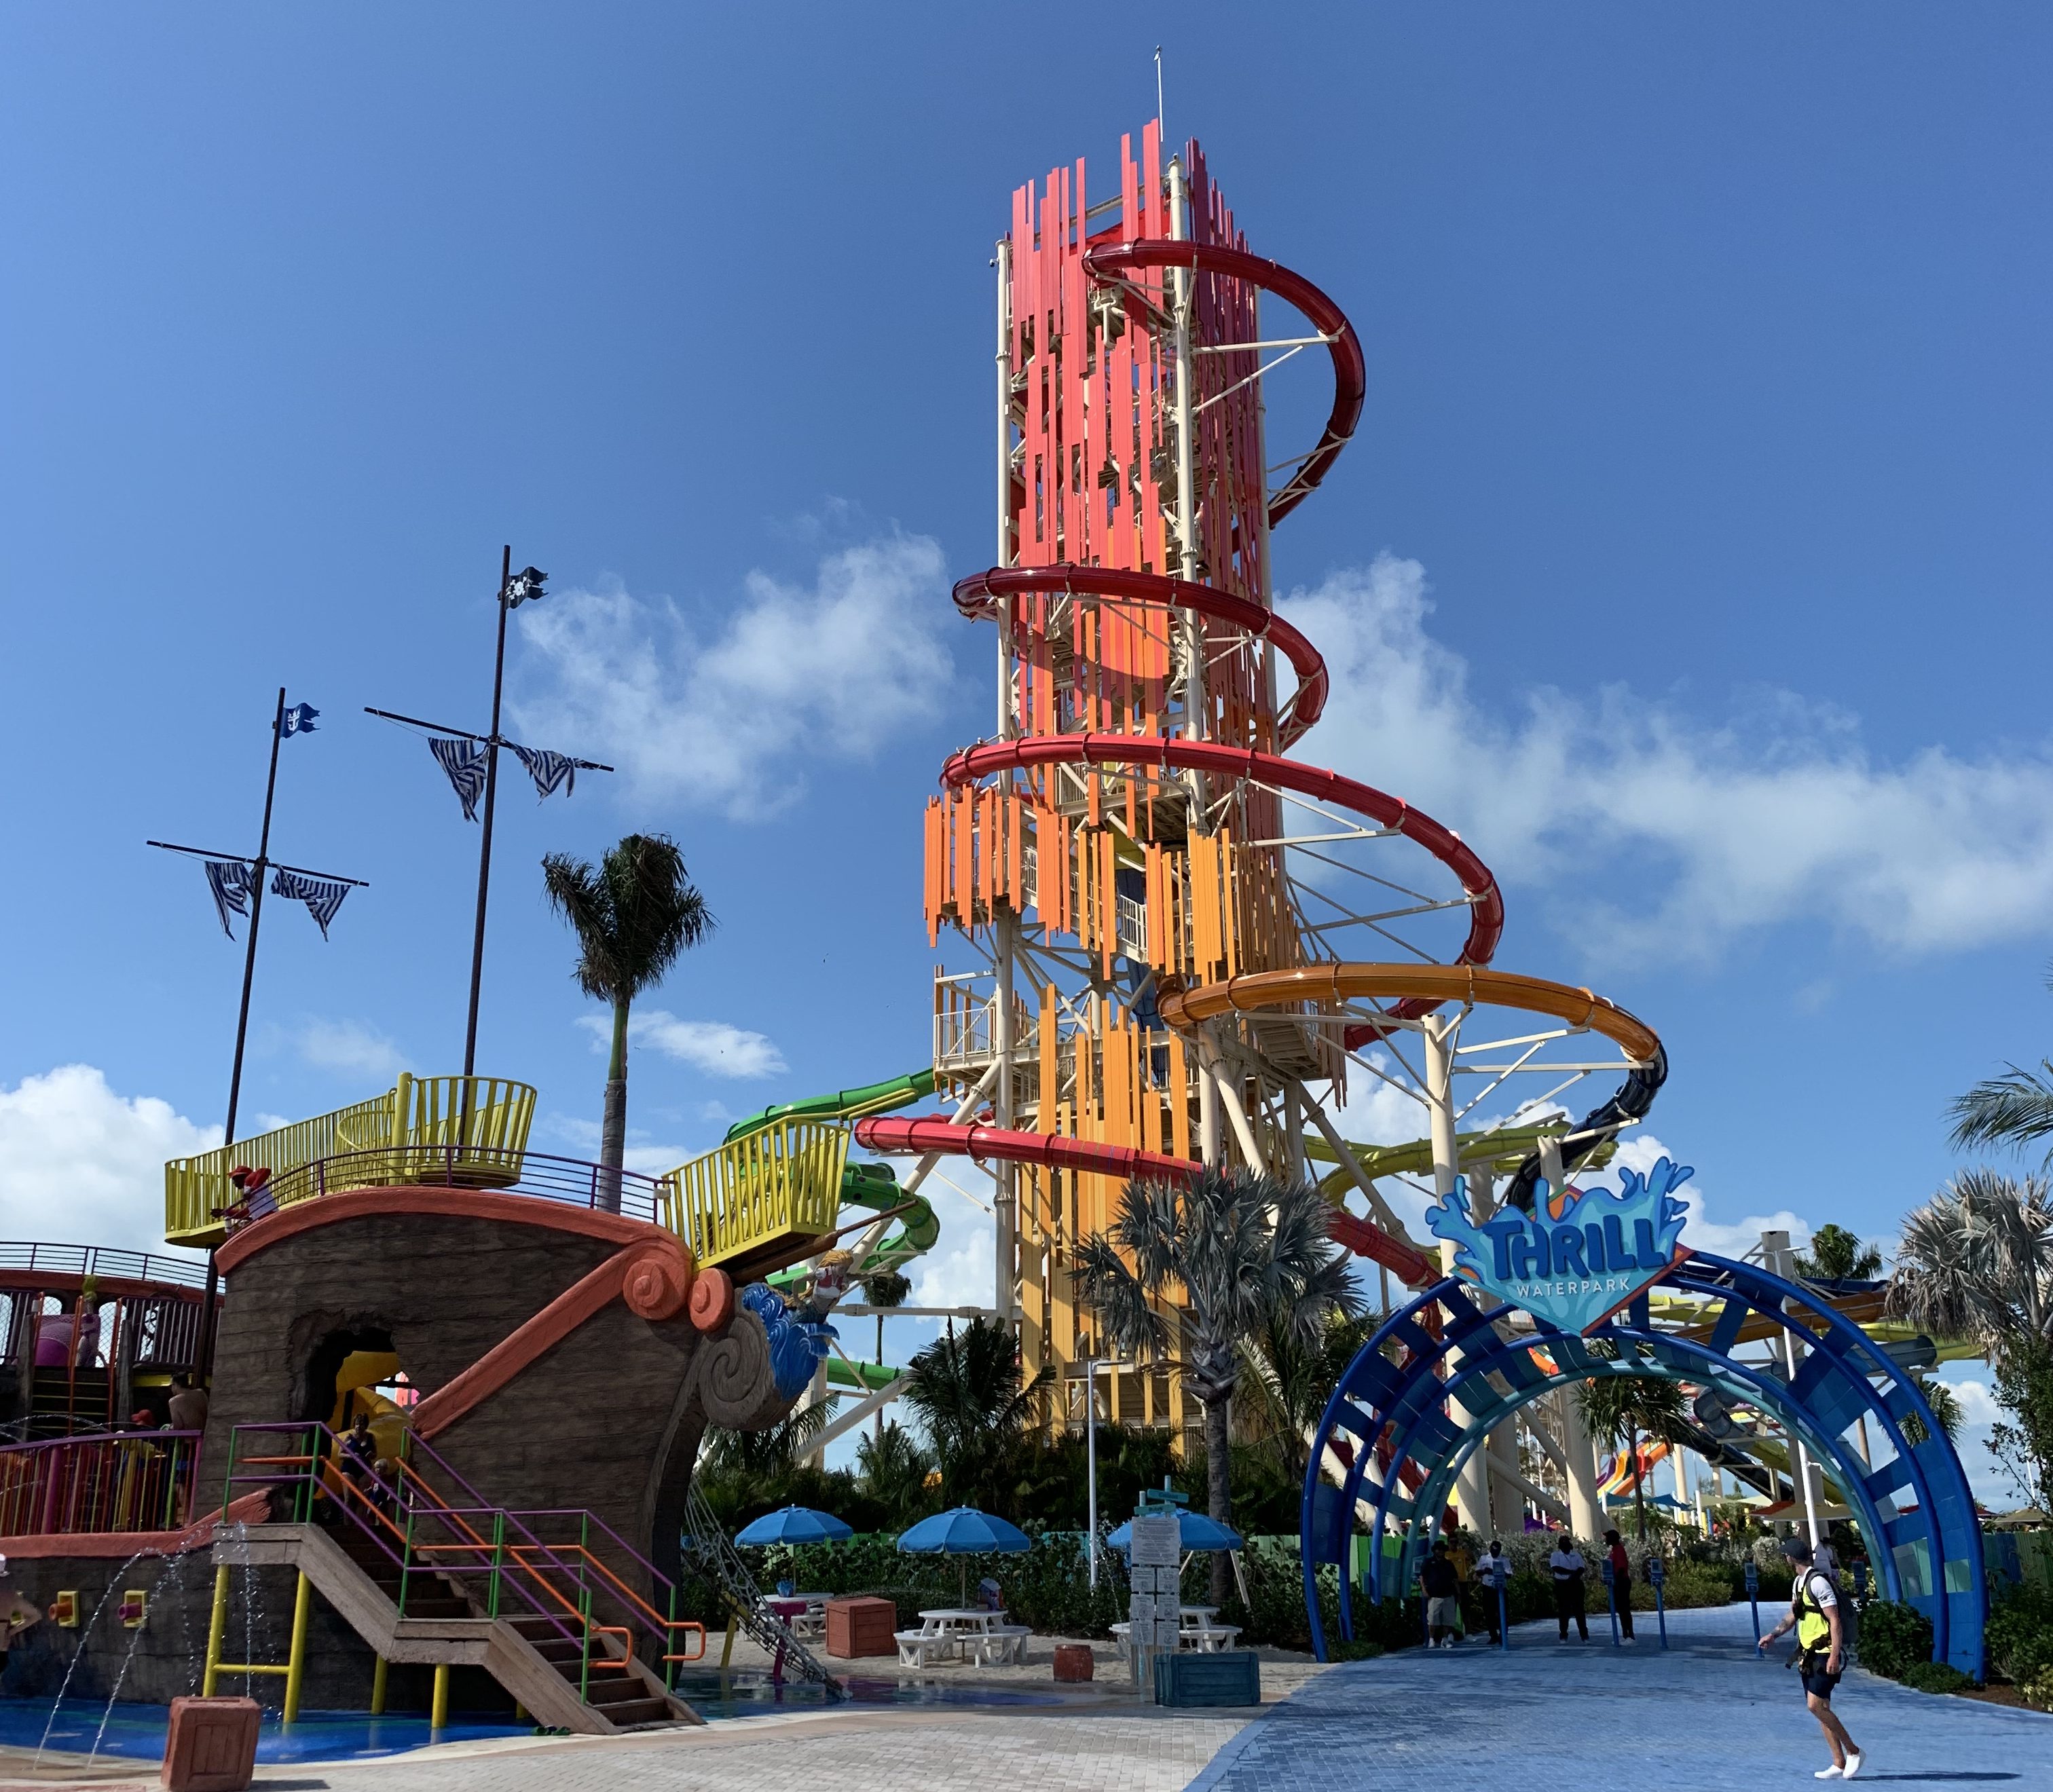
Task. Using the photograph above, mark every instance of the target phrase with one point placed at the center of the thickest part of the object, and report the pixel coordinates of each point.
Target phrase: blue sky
(1690, 560)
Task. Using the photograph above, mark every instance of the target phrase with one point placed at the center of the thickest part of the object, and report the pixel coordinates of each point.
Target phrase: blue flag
(299, 719)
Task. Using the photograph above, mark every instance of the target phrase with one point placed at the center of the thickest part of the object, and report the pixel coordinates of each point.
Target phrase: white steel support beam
(1228, 1098)
(1379, 1208)
(1472, 1485)
(1208, 1100)
(1505, 1470)
(1585, 1509)
(842, 1423)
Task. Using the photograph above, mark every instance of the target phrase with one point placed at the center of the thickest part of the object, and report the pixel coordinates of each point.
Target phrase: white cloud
(80, 1164)
(794, 675)
(961, 1270)
(351, 1047)
(1978, 1400)
(647, 1158)
(1778, 813)
(713, 1046)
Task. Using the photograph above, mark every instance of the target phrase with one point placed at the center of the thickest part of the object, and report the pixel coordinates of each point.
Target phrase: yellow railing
(780, 1183)
(480, 1123)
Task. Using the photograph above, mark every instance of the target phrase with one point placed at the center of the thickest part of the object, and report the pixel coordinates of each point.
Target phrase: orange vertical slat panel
(1044, 1116)
(963, 872)
(1015, 844)
(1179, 1101)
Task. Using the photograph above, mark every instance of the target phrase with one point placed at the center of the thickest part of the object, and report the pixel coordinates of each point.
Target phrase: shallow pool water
(136, 1732)
(749, 1693)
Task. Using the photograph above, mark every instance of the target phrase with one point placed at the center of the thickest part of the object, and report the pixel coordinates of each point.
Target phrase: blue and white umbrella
(795, 1525)
(1195, 1531)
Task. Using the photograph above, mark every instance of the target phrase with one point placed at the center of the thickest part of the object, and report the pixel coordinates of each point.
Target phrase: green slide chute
(871, 1186)
(843, 1105)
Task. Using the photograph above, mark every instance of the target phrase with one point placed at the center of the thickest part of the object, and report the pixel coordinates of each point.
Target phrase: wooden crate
(859, 1627)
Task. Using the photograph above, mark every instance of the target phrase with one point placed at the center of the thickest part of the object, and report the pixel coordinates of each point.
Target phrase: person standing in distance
(1567, 1566)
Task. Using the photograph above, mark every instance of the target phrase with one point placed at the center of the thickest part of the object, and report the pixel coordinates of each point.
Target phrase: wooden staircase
(539, 1660)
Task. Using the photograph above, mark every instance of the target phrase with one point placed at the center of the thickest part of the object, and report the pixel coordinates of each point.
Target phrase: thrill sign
(1573, 1261)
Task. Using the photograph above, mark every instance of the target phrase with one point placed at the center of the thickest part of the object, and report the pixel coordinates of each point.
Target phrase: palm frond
(2014, 1110)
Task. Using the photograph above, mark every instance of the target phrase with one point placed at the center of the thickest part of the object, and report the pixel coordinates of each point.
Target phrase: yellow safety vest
(1814, 1629)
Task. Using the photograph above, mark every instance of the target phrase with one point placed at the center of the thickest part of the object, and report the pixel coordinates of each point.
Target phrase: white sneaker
(1827, 1772)
(1853, 1764)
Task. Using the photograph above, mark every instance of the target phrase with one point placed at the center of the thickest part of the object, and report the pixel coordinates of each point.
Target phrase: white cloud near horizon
(731, 720)
(713, 1046)
(81, 1165)
(1775, 814)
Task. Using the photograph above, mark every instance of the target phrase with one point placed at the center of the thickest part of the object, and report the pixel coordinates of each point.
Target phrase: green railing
(477, 1125)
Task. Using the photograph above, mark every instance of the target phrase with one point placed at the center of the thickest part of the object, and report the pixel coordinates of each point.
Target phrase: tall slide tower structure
(1167, 940)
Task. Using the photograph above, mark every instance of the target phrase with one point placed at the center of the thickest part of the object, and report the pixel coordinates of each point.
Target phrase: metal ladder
(706, 1550)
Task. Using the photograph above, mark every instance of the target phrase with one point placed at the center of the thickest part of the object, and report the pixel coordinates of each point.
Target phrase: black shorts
(1817, 1683)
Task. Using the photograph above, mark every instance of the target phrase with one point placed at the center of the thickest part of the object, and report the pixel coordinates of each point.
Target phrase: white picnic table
(967, 1632)
(1195, 1630)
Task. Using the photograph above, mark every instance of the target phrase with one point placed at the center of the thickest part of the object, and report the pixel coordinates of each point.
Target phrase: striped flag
(231, 882)
(463, 761)
(321, 897)
(551, 770)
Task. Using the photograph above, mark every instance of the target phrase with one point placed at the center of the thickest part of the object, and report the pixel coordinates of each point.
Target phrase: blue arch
(1913, 1509)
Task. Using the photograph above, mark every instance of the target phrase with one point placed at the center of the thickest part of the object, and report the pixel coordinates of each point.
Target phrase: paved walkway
(1541, 1717)
(1703, 1717)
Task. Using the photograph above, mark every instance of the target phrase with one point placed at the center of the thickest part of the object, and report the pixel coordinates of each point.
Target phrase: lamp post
(1090, 1456)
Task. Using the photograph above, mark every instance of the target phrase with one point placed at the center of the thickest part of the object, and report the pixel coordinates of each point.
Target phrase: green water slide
(871, 1186)
(1502, 1150)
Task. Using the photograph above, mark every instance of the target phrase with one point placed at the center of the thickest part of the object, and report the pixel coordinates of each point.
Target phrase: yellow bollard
(439, 1716)
(296, 1662)
(216, 1626)
(377, 1688)
(520, 1713)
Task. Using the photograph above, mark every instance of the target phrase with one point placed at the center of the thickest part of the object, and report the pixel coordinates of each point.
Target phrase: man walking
(1567, 1566)
(1814, 1611)
(1438, 1581)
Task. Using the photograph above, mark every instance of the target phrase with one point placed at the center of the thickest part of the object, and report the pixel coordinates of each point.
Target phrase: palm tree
(1291, 1380)
(1619, 1408)
(1945, 1407)
(1837, 1255)
(969, 1392)
(894, 1471)
(1247, 1250)
(633, 914)
(1976, 1262)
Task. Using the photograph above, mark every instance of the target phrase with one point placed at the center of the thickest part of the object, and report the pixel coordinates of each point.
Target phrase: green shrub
(1895, 1638)
(1936, 1676)
(1690, 1584)
(2019, 1638)
(1361, 1651)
